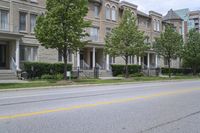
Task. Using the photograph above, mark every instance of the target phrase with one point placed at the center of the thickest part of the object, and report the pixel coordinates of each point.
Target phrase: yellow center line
(125, 100)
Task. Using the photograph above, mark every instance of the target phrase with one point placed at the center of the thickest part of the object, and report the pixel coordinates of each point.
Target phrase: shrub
(47, 76)
(120, 69)
(177, 71)
(37, 69)
(55, 77)
(59, 76)
(137, 75)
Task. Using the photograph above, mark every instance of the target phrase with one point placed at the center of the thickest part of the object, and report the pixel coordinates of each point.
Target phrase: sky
(162, 6)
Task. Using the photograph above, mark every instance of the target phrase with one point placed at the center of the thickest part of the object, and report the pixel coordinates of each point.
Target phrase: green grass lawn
(33, 84)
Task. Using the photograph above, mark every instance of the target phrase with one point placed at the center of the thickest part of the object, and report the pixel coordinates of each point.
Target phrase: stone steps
(7, 75)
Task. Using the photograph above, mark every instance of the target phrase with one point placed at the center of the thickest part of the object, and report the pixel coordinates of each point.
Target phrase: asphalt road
(160, 107)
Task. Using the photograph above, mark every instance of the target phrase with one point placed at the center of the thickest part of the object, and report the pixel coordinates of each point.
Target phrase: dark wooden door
(2, 56)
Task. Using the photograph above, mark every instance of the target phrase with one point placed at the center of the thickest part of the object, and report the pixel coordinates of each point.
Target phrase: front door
(2, 56)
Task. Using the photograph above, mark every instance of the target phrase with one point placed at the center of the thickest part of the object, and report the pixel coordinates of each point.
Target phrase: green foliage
(177, 71)
(169, 45)
(37, 69)
(191, 51)
(47, 76)
(139, 74)
(62, 26)
(52, 77)
(126, 40)
(120, 69)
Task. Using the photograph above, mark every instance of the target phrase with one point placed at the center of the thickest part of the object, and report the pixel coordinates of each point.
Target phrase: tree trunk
(194, 70)
(126, 67)
(169, 67)
(65, 62)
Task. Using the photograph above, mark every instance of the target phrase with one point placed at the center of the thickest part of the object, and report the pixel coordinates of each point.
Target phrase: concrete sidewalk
(13, 81)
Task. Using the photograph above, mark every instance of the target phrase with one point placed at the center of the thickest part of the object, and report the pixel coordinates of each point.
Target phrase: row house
(18, 43)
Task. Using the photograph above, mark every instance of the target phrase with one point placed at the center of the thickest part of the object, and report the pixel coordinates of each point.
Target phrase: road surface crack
(169, 122)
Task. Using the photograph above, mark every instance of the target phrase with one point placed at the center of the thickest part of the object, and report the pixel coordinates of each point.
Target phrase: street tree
(169, 45)
(191, 51)
(62, 26)
(126, 40)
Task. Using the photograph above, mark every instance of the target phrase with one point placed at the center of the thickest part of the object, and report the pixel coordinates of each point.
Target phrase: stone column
(156, 62)
(93, 57)
(107, 62)
(78, 59)
(17, 55)
(140, 63)
(135, 60)
(148, 60)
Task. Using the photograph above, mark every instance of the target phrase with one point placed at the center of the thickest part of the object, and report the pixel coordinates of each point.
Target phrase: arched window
(158, 25)
(113, 13)
(107, 11)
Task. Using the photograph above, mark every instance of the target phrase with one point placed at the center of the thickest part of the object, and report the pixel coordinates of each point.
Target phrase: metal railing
(99, 66)
(84, 65)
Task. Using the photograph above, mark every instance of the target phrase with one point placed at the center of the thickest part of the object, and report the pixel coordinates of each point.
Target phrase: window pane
(113, 13)
(4, 20)
(107, 12)
(22, 53)
(22, 21)
(33, 22)
(35, 52)
(154, 25)
(96, 11)
(158, 25)
(94, 33)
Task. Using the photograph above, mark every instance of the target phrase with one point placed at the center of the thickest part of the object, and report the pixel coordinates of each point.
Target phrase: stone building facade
(18, 43)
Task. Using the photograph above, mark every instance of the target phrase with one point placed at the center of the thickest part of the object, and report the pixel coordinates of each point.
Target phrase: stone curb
(90, 85)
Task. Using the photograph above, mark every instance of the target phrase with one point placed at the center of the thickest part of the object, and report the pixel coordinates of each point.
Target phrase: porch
(91, 57)
(9, 52)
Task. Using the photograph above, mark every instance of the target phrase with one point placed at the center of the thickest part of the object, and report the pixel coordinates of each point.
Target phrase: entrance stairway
(7, 75)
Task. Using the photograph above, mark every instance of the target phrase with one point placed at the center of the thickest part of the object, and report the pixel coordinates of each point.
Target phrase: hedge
(176, 71)
(37, 69)
(120, 69)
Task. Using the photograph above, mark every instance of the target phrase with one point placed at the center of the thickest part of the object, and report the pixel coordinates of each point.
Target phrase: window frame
(108, 12)
(113, 13)
(26, 14)
(32, 14)
(7, 27)
(96, 11)
(154, 25)
(27, 53)
(93, 37)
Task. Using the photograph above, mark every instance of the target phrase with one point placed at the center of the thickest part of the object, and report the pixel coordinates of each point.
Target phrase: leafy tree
(169, 45)
(62, 26)
(125, 40)
(191, 51)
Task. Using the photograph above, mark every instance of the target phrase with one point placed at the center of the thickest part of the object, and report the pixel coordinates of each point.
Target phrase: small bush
(59, 76)
(47, 76)
(177, 71)
(137, 75)
(37, 69)
(120, 69)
